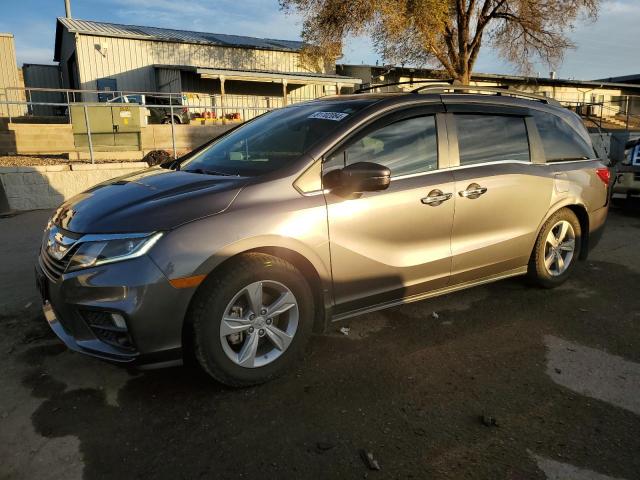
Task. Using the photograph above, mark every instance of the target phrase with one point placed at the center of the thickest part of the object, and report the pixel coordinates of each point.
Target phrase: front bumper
(136, 290)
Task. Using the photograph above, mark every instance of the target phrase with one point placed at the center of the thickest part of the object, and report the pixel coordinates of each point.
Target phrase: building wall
(67, 49)
(9, 77)
(43, 76)
(131, 61)
(568, 95)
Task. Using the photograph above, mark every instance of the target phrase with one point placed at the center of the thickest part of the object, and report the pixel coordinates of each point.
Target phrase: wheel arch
(315, 275)
(583, 217)
(582, 214)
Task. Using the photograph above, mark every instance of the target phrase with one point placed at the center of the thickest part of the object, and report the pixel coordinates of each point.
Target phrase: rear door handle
(436, 197)
(473, 191)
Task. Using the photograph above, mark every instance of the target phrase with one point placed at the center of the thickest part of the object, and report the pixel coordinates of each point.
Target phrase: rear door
(395, 243)
(502, 191)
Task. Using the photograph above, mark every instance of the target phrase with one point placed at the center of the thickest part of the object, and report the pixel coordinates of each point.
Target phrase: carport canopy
(297, 78)
(266, 76)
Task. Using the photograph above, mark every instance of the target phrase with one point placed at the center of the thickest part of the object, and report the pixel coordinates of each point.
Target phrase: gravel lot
(505, 382)
(153, 158)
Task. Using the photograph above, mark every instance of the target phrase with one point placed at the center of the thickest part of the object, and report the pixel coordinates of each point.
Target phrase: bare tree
(444, 33)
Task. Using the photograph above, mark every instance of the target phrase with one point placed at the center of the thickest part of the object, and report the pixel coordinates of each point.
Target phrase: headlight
(100, 249)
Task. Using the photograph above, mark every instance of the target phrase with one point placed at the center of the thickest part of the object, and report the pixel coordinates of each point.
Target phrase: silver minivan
(234, 254)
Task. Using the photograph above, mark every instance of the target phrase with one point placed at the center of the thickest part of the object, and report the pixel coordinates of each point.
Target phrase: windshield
(273, 140)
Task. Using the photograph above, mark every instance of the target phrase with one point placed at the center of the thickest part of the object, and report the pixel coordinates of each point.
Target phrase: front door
(391, 244)
(501, 196)
(107, 85)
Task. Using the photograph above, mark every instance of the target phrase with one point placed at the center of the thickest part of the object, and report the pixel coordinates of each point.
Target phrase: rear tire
(556, 250)
(276, 333)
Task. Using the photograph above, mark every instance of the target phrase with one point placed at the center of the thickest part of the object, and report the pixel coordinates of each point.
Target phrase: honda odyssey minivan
(314, 213)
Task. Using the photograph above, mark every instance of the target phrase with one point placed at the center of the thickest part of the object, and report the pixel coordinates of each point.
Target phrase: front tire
(556, 250)
(251, 320)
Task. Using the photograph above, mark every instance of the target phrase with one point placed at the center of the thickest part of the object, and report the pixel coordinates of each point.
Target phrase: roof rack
(442, 86)
(393, 84)
(496, 91)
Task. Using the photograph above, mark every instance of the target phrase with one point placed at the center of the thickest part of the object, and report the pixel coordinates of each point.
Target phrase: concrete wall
(31, 139)
(188, 137)
(41, 139)
(31, 188)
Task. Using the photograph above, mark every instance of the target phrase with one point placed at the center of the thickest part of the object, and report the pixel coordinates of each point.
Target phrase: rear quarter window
(560, 140)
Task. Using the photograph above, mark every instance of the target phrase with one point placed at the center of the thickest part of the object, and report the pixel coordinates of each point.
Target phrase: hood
(154, 199)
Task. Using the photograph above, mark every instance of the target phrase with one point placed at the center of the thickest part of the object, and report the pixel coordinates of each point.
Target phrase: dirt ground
(502, 382)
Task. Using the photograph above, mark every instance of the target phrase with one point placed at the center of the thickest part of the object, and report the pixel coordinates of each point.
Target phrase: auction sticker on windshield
(335, 116)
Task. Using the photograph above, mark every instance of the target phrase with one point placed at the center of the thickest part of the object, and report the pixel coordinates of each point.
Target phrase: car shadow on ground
(412, 391)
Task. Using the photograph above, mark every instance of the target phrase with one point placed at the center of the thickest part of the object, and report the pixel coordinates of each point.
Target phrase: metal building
(243, 71)
(37, 77)
(10, 78)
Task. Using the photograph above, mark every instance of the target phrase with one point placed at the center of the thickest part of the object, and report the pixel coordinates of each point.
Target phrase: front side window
(562, 141)
(405, 147)
(273, 140)
(492, 138)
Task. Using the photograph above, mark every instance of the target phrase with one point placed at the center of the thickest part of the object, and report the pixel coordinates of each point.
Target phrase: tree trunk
(463, 77)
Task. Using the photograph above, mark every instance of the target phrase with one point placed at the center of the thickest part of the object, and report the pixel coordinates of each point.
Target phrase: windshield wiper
(205, 171)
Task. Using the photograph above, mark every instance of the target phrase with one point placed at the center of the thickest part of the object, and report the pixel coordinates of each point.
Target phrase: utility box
(113, 127)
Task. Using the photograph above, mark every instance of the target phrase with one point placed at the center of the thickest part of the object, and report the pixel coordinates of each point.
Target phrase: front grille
(65, 241)
(53, 268)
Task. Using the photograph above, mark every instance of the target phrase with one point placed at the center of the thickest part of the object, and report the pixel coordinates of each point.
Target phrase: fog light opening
(118, 321)
(110, 328)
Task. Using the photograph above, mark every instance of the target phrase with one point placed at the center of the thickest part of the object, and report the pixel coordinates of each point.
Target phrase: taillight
(604, 174)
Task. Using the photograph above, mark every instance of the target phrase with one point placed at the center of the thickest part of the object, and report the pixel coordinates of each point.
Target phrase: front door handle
(436, 197)
(473, 191)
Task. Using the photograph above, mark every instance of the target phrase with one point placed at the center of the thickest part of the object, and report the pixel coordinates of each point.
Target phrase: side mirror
(358, 177)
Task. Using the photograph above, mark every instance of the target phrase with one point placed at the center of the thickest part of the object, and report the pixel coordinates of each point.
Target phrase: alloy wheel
(559, 248)
(259, 324)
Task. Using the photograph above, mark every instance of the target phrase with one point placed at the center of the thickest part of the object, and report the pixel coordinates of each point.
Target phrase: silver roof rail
(508, 92)
(408, 82)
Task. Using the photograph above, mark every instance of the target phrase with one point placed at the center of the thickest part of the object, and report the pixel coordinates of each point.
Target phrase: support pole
(86, 120)
(628, 112)
(173, 132)
(284, 93)
(222, 93)
(68, 107)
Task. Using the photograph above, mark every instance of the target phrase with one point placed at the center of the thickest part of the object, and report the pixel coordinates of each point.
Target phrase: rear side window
(491, 138)
(405, 147)
(560, 140)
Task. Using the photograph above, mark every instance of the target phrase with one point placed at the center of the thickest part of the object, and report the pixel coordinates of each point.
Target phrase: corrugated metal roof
(89, 27)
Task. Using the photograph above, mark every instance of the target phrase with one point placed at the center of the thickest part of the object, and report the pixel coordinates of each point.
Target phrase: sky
(605, 48)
